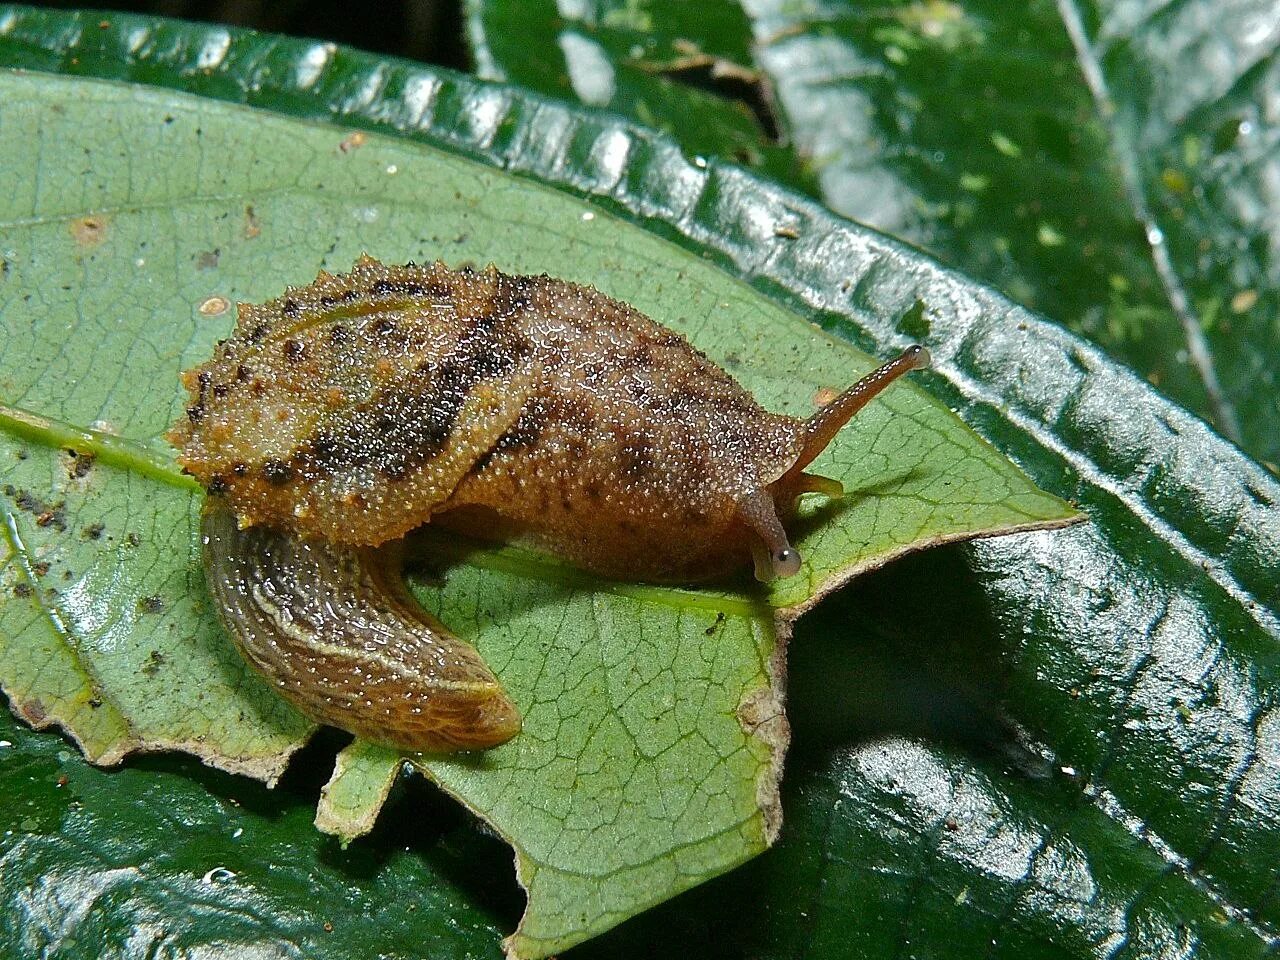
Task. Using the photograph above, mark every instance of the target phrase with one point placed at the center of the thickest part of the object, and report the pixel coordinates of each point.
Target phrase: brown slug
(344, 414)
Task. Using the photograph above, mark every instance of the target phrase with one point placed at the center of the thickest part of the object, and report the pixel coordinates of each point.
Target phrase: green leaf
(653, 730)
(1100, 164)
(1138, 652)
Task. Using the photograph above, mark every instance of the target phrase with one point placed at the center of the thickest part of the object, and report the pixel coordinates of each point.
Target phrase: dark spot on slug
(240, 468)
(290, 307)
(395, 470)
(217, 485)
(639, 356)
(195, 414)
(243, 373)
(402, 429)
(384, 326)
(511, 295)
(294, 350)
(221, 390)
(257, 333)
(339, 334)
(526, 431)
(277, 472)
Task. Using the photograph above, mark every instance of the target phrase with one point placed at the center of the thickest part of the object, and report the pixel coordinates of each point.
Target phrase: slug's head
(774, 555)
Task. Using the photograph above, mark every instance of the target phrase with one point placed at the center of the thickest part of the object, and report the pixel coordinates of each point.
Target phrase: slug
(341, 415)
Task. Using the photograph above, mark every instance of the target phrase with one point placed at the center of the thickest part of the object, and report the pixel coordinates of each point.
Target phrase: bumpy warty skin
(363, 405)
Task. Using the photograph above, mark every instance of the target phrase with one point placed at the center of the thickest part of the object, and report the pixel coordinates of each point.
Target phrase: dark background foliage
(426, 30)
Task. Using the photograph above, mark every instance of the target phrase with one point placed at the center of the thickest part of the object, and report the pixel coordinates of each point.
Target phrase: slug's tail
(337, 634)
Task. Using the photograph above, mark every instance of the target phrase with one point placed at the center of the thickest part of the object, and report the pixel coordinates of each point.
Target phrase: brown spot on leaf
(89, 231)
(155, 660)
(32, 711)
(80, 466)
(353, 141)
(46, 514)
(252, 225)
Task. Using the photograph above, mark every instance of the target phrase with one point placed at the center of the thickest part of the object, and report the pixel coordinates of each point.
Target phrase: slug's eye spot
(918, 356)
(786, 562)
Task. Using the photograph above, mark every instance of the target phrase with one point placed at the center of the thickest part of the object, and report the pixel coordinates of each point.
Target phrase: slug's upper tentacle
(821, 428)
(337, 632)
(774, 555)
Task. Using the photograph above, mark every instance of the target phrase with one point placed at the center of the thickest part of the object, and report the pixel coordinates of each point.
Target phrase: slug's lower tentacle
(774, 556)
(335, 629)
